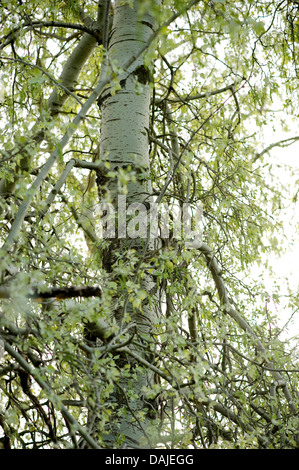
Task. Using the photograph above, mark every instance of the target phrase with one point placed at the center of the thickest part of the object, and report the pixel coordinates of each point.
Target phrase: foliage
(224, 375)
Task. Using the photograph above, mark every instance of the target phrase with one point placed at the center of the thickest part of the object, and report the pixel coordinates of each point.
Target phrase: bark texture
(124, 144)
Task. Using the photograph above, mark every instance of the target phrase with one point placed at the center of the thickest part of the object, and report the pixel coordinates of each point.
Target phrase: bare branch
(280, 143)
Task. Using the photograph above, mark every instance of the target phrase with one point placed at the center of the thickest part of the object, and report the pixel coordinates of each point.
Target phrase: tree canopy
(202, 79)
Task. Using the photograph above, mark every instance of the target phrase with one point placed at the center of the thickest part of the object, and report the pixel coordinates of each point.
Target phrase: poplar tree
(120, 325)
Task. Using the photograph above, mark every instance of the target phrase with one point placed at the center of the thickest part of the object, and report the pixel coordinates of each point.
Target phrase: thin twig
(67, 91)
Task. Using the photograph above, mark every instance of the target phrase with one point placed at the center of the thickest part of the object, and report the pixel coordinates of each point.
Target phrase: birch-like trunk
(124, 143)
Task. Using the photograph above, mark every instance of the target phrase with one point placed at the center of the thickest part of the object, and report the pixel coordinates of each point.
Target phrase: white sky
(286, 266)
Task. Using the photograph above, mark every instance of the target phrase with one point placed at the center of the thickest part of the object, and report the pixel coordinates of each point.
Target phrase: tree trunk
(124, 144)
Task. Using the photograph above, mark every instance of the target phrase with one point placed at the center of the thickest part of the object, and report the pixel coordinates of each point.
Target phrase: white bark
(125, 115)
(71, 71)
(124, 141)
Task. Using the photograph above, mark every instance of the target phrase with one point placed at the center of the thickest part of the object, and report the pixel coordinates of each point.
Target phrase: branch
(71, 70)
(35, 373)
(60, 85)
(66, 81)
(59, 293)
(14, 33)
(228, 309)
(17, 223)
(96, 166)
(224, 411)
(281, 143)
(103, 82)
(198, 96)
(144, 362)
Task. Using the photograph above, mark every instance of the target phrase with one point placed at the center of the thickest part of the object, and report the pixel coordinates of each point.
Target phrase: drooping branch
(35, 374)
(243, 324)
(280, 143)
